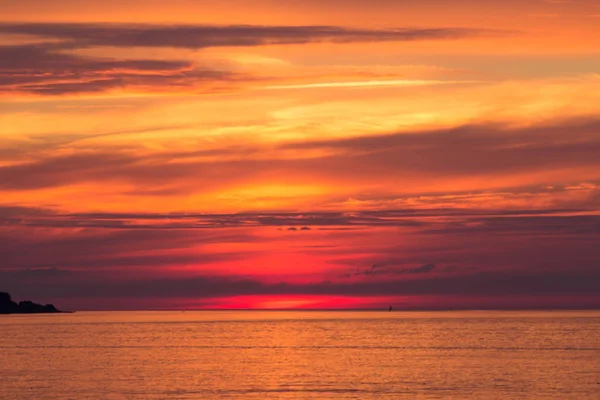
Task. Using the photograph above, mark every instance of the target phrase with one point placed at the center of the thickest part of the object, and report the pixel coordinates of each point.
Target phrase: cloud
(8, 212)
(383, 269)
(455, 268)
(34, 274)
(43, 69)
(203, 36)
(199, 287)
(446, 221)
(547, 225)
(463, 150)
(69, 247)
(468, 151)
(425, 269)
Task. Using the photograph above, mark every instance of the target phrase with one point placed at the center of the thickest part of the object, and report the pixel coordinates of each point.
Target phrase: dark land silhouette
(8, 306)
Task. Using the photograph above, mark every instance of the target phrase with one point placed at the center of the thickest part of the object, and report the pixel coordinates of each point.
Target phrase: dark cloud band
(202, 36)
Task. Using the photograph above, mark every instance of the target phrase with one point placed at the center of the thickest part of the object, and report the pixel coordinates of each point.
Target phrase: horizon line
(384, 310)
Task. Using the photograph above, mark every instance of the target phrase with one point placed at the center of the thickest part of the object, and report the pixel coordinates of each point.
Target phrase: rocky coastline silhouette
(8, 306)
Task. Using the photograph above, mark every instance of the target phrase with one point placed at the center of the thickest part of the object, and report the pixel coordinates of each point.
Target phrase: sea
(267, 355)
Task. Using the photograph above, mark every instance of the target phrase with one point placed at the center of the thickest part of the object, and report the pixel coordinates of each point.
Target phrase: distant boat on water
(390, 309)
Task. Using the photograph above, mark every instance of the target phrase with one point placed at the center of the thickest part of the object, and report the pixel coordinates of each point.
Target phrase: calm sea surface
(301, 355)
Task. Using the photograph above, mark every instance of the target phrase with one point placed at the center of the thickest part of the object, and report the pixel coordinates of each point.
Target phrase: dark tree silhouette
(8, 306)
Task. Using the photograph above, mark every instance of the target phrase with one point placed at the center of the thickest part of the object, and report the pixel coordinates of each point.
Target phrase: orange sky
(254, 153)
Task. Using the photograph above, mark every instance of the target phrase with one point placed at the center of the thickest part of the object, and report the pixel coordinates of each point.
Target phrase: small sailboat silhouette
(390, 309)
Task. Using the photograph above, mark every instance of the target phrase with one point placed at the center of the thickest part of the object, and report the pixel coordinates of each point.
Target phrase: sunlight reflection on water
(298, 355)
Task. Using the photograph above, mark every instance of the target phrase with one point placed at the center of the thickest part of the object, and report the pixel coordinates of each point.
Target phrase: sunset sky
(300, 153)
